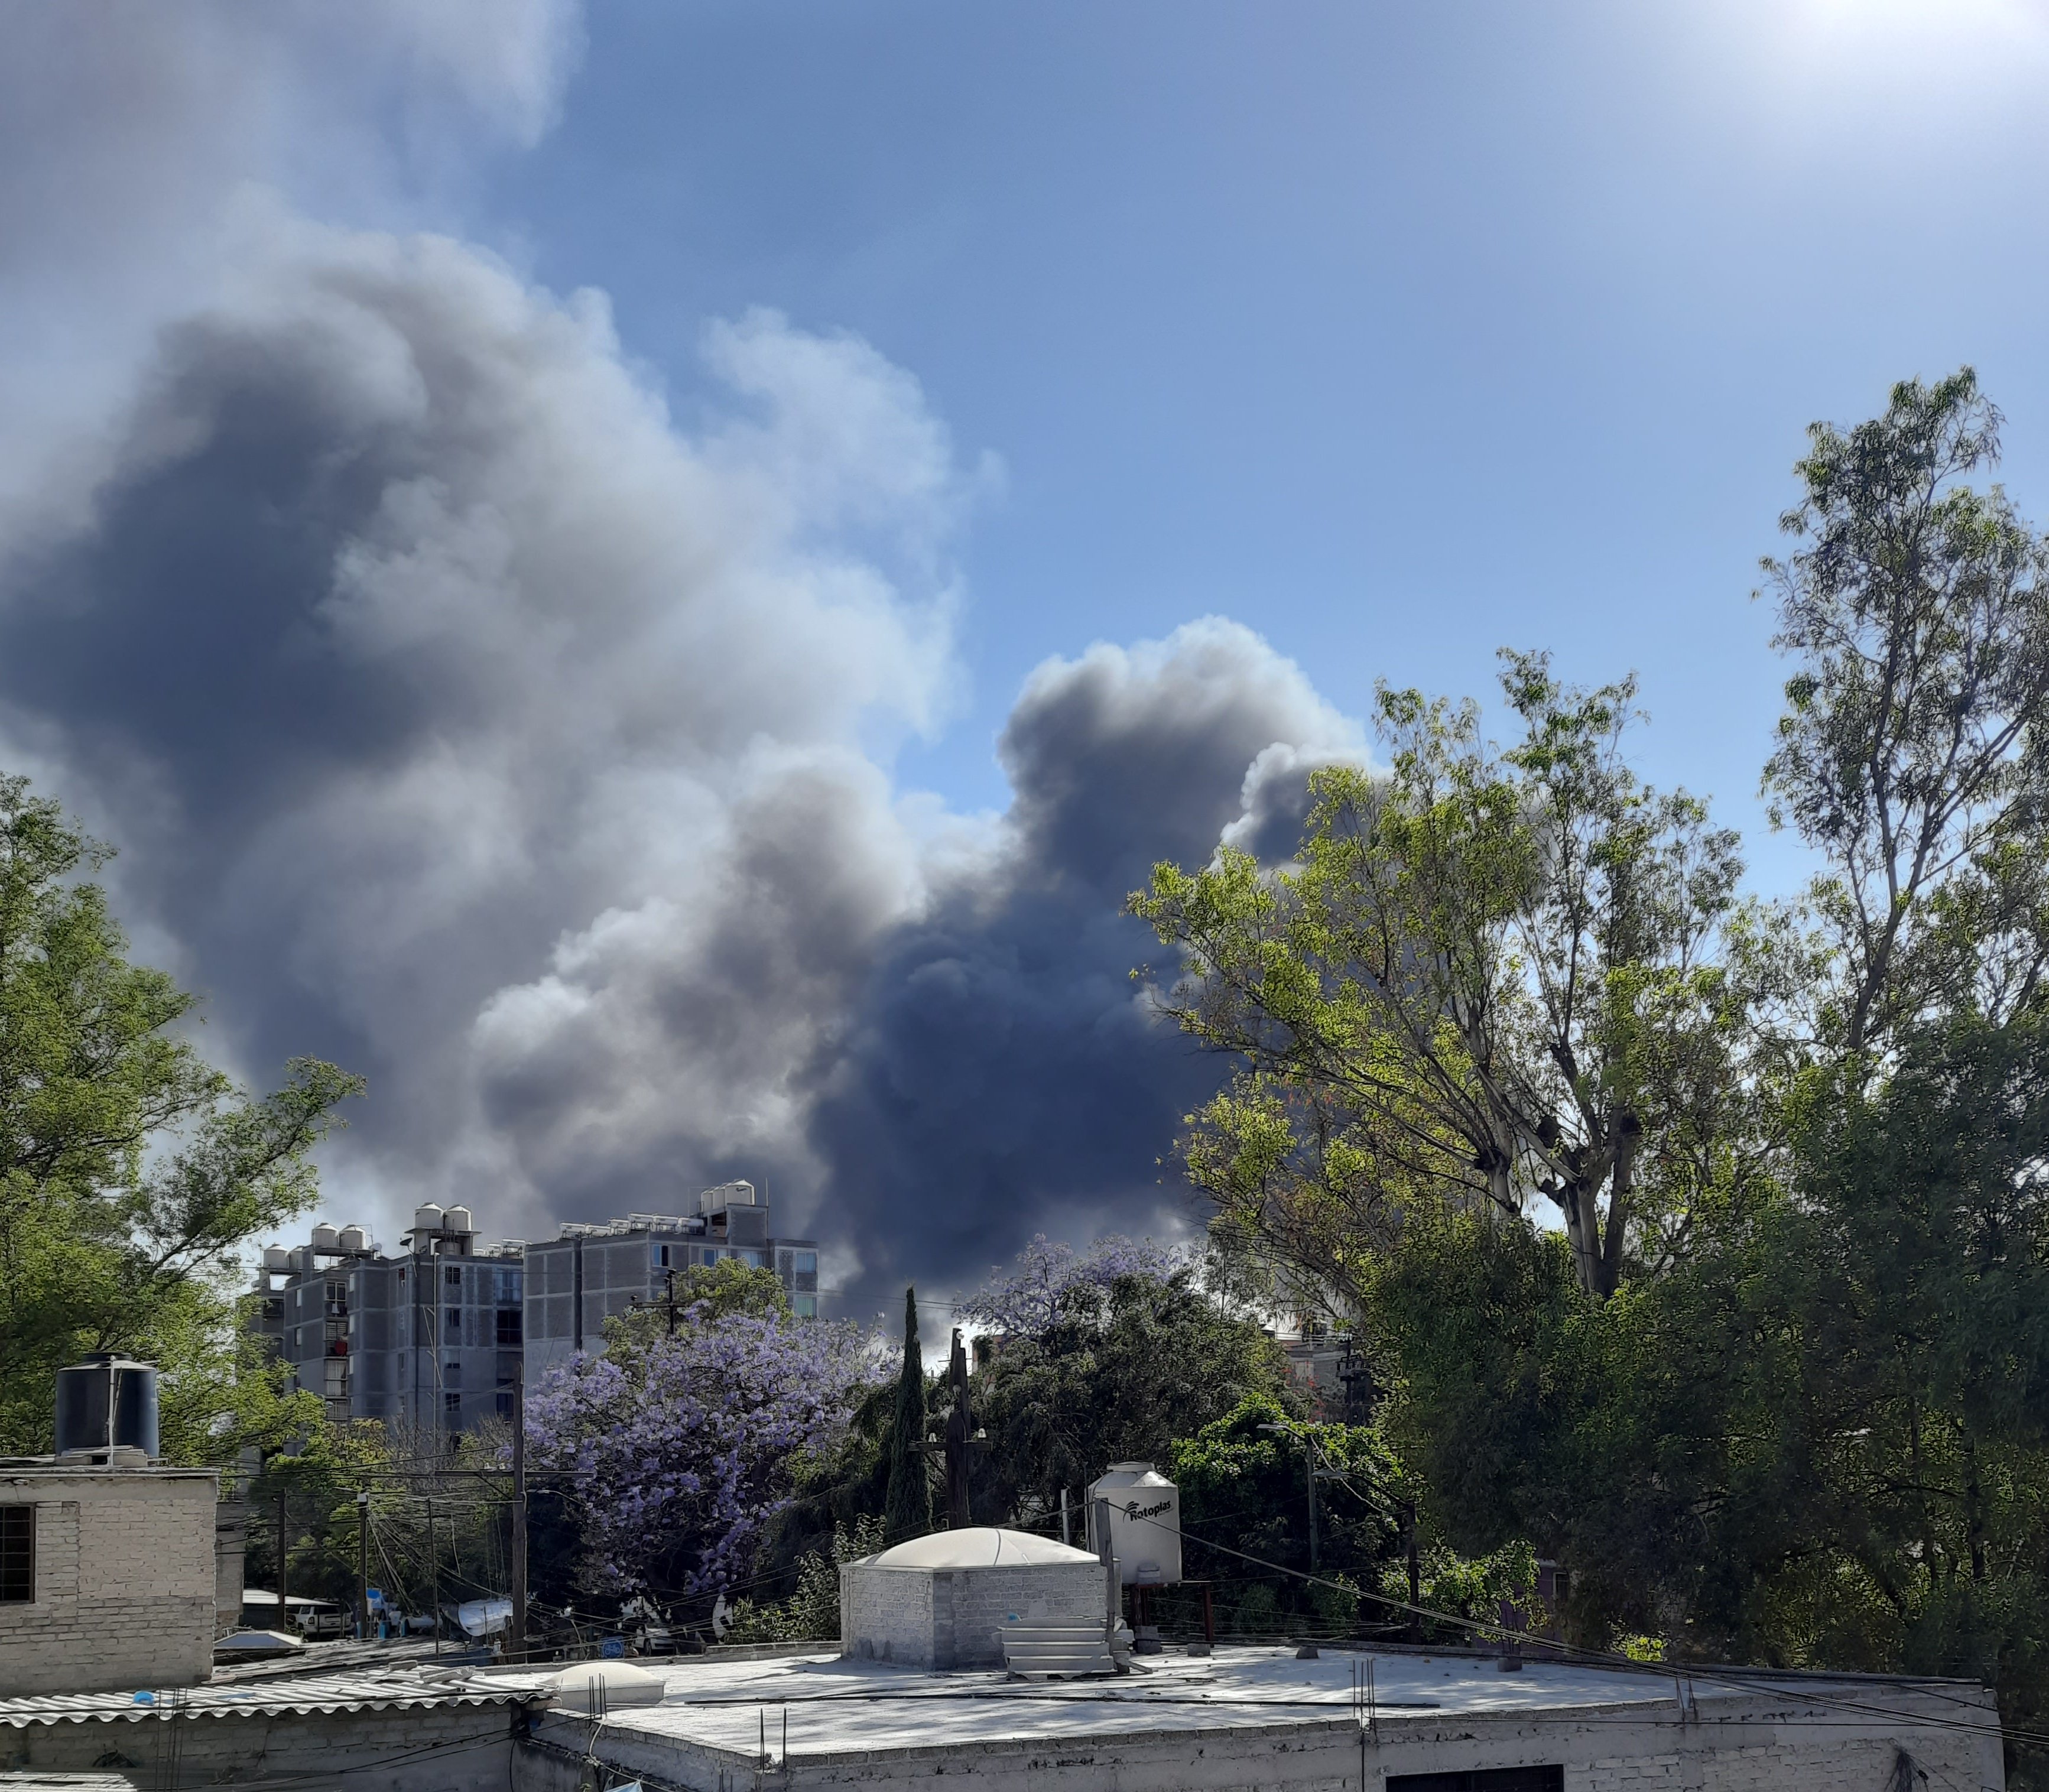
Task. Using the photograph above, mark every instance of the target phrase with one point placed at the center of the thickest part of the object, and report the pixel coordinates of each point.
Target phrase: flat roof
(839, 1707)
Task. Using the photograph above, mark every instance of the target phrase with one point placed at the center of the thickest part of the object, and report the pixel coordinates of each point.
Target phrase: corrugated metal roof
(339, 1691)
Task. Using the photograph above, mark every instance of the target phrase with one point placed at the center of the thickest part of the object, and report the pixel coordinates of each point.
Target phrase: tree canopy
(1697, 1239)
(130, 1170)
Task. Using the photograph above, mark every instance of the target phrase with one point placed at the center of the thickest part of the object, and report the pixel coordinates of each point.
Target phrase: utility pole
(515, 1643)
(362, 1566)
(667, 1303)
(433, 1576)
(284, 1569)
(1309, 1460)
(1415, 1579)
(1309, 1463)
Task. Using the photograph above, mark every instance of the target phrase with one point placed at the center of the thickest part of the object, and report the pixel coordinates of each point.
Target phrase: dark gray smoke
(461, 719)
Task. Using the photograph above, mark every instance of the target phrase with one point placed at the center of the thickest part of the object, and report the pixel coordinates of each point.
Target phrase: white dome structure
(979, 1546)
(943, 1601)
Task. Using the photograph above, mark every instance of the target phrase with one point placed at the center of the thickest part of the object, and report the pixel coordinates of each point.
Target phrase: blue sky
(1398, 333)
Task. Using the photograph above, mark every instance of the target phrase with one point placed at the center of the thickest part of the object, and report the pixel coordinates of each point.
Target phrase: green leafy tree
(811, 1612)
(1118, 1375)
(1490, 976)
(1244, 1480)
(1911, 753)
(130, 1171)
(701, 1295)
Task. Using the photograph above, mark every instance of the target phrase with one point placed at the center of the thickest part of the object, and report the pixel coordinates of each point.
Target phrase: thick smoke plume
(464, 719)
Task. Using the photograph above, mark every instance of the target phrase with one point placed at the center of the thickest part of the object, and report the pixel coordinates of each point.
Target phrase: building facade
(445, 1333)
(429, 1340)
(592, 1272)
(108, 1576)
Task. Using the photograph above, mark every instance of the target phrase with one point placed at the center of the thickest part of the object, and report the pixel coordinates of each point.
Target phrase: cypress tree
(907, 1509)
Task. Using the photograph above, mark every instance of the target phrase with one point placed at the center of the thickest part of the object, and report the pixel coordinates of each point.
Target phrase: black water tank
(87, 1392)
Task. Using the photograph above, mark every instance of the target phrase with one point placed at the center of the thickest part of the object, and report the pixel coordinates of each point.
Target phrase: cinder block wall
(953, 1618)
(124, 1581)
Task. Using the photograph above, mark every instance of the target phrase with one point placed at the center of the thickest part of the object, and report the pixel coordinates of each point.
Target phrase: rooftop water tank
(726, 1194)
(354, 1238)
(105, 1402)
(325, 1238)
(276, 1257)
(1145, 1509)
(458, 1219)
(427, 1218)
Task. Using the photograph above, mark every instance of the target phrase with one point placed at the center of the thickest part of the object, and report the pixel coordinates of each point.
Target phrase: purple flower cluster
(1026, 1302)
(679, 1451)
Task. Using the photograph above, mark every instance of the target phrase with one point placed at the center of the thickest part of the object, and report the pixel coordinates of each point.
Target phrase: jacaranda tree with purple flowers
(1051, 1280)
(678, 1451)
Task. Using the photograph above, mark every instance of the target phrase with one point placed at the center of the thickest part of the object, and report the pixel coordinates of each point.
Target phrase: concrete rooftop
(842, 1709)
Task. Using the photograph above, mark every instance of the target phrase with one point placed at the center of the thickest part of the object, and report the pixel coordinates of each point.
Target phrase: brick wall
(125, 1579)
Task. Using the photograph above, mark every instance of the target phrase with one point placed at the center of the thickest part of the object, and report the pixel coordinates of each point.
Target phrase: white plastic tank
(1145, 1523)
(354, 1238)
(325, 1238)
(726, 1194)
(427, 1218)
(277, 1257)
(302, 1260)
(458, 1219)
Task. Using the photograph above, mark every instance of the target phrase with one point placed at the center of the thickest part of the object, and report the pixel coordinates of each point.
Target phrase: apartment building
(587, 1273)
(428, 1340)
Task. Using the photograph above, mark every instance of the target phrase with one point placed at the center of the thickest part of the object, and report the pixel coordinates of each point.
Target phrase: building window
(17, 1555)
(452, 1276)
(504, 1405)
(509, 1328)
(453, 1334)
(804, 1306)
(451, 1374)
(806, 1263)
(451, 1404)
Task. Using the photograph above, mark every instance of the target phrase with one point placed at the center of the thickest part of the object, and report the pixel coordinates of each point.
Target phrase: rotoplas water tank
(1145, 1509)
(458, 1219)
(427, 1218)
(354, 1238)
(88, 1391)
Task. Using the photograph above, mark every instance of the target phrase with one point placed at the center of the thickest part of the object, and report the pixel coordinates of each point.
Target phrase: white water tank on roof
(1145, 1523)
(325, 1238)
(427, 1218)
(354, 1238)
(276, 1257)
(458, 1219)
(726, 1194)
